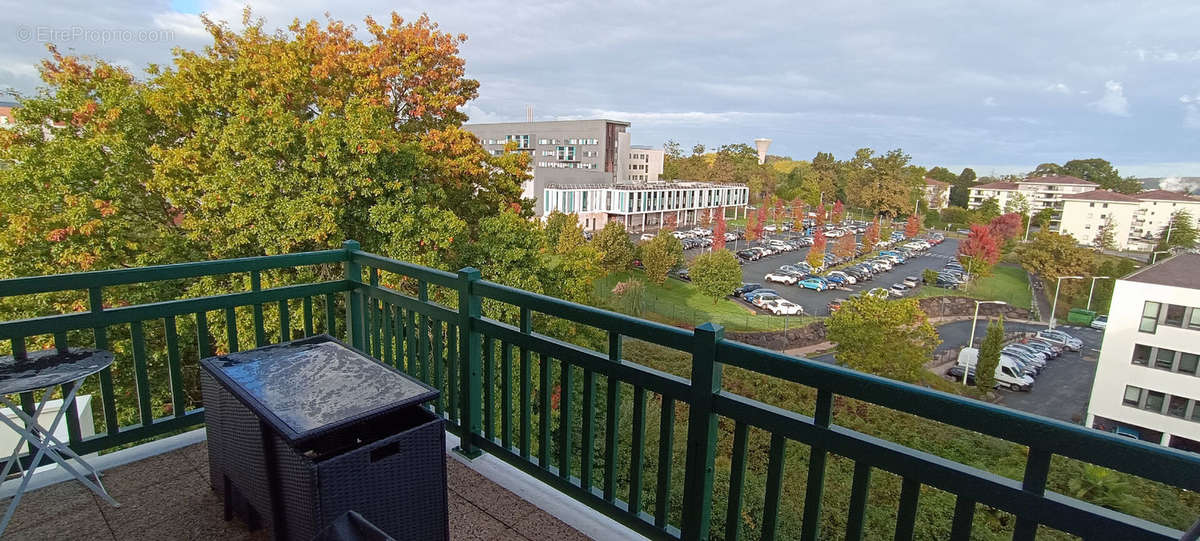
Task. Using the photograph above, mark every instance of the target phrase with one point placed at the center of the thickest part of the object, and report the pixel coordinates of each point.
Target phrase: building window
(1149, 317)
(583, 202)
(1174, 315)
(1141, 354)
(1165, 359)
(1194, 320)
(1133, 395)
(1188, 362)
(1154, 401)
(1177, 406)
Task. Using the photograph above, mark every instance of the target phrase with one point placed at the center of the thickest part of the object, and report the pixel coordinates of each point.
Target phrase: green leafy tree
(1106, 238)
(1183, 232)
(556, 223)
(1042, 218)
(929, 276)
(616, 250)
(661, 254)
(941, 174)
(893, 339)
(1095, 170)
(960, 189)
(716, 273)
(989, 355)
(1018, 203)
(884, 182)
(1050, 255)
(952, 216)
(987, 211)
(1107, 488)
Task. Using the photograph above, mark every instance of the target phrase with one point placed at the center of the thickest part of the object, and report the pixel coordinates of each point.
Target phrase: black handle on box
(384, 451)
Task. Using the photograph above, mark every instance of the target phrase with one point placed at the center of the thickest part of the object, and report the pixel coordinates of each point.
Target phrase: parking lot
(816, 303)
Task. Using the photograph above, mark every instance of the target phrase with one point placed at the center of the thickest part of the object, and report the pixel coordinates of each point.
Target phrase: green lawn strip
(680, 303)
(1008, 284)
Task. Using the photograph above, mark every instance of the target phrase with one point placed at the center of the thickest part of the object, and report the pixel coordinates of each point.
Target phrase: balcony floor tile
(168, 497)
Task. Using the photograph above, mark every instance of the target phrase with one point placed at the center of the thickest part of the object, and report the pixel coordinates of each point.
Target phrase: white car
(781, 278)
(1100, 322)
(680, 234)
(762, 300)
(647, 236)
(850, 280)
(784, 307)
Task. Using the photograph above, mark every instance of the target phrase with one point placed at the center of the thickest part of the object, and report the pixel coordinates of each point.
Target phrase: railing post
(354, 302)
(469, 309)
(702, 432)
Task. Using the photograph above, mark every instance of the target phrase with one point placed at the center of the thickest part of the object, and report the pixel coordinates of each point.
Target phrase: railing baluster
(587, 448)
(145, 412)
(906, 517)
(203, 338)
(637, 449)
(737, 481)
(1037, 469)
(413, 336)
(666, 446)
(489, 385)
(423, 331)
(72, 416)
(108, 400)
(506, 368)
(307, 307)
(398, 333)
(387, 335)
(355, 334)
(566, 374)
(468, 364)
(451, 366)
(526, 392)
(612, 427)
(544, 414)
(175, 368)
(811, 525)
(331, 315)
(701, 432)
(374, 324)
(775, 464)
(285, 321)
(231, 333)
(964, 515)
(857, 517)
(18, 348)
(260, 331)
(438, 382)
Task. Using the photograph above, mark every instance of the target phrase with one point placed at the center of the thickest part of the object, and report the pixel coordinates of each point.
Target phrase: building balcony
(602, 438)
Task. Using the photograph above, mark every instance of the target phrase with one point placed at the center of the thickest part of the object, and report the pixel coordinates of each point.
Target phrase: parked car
(911, 281)
(647, 236)
(1099, 322)
(846, 277)
(749, 255)
(814, 284)
(784, 307)
(759, 292)
(684, 275)
(762, 300)
(835, 304)
(746, 288)
(899, 290)
(1059, 337)
(781, 278)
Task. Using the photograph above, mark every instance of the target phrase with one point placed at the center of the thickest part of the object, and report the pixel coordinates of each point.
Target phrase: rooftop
(933, 182)
(479, 508)
(1178, 271)
(1166, 195)
(997, 186)
(1103, 195)
(523, 122)
(1059, 179)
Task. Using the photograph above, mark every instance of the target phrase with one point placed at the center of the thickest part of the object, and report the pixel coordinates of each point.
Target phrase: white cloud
(1060, 88)
(989, 101)
(1191, 111)
(1113, 102)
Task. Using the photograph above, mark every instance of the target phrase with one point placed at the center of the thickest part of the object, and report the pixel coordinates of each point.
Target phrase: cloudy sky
(999, 88)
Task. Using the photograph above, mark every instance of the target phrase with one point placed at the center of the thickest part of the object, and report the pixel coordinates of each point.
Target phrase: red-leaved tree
(719, 233)
(762, 221)
(913, 227)
(779, 211)
(1006, 227)
(752, 227)
(820, 214)
(798, 211)
(979, 251)
(844, 246)
(839, 212)
(871, 236)
(816, 254)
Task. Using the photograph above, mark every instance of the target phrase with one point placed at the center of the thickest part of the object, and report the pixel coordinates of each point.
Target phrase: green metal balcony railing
(510, 391)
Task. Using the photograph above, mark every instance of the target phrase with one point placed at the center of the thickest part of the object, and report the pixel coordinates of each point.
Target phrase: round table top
(47, 368)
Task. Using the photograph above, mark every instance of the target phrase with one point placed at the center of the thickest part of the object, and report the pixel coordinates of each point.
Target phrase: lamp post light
(1093, 289)
(1054, 305)
(971, 342)
(1154, 256)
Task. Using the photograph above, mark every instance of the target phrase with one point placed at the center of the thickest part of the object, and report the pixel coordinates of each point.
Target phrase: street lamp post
(1154, 256)
(971, 342)
(1057, 285)
(1093, 289)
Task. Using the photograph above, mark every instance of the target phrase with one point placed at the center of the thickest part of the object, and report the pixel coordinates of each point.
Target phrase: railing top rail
(85, 280)
(663, 335)
(427, 274)
(1147, 460)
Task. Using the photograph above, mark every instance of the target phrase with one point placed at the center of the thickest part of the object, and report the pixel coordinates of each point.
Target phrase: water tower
(762, 145)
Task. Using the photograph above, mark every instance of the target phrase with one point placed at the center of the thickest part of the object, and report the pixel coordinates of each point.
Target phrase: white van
(1009, 373)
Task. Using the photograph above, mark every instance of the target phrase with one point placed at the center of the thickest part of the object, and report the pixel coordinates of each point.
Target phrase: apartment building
(645, 163)
(563, 151)
(1147, 383)
(937, 194)
(1157, 208)
(1085, 214)
(645, 205)
(1038, 192)
(6, 113)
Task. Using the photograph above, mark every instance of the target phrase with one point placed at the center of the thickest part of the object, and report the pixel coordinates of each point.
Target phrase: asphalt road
(1060, 392)
(816, 303)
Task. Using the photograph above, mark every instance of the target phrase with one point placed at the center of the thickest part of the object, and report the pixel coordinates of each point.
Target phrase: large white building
(1147, 382)
(1138, 220)
(937, 194)
(1038, 192)
(645, 205)
(645, 163)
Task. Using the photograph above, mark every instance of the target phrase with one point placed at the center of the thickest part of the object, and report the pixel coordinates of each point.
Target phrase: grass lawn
(680, 303)
(1006, 283)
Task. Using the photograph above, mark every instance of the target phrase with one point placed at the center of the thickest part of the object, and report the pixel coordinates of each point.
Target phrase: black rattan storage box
(390, 467)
